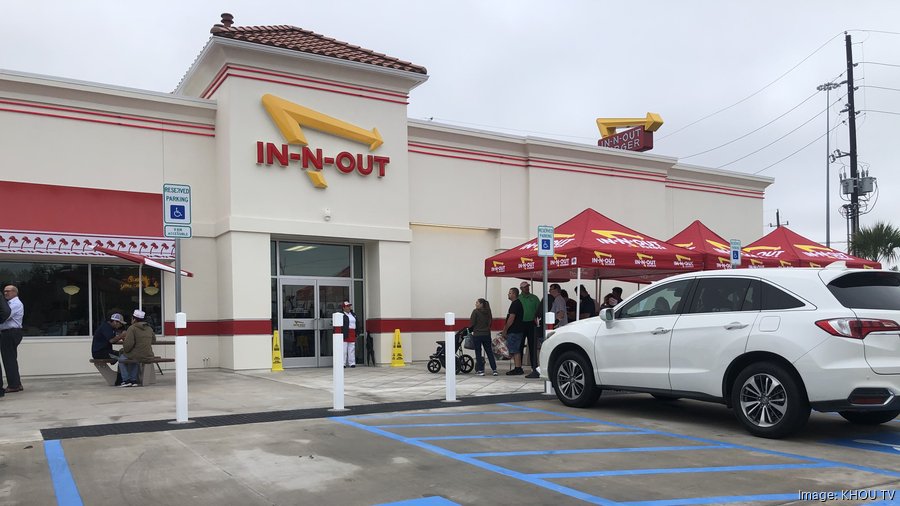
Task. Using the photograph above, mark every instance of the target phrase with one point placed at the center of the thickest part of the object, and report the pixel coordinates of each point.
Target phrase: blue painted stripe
(577, 494)
(425, 501)
(678, 470)
(594, 450)
(473, 424)
(524, 436)
(455, 413)
(714, 500)
(63, 483)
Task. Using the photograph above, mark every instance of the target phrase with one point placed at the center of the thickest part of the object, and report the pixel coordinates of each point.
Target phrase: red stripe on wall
(104, 122)
(388, 325)
(87, 112)
(319, 81)
(28, 206)
(319, 88)
(222, 328)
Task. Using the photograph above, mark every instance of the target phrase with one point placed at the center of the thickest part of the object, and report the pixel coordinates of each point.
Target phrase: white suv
(770, 343)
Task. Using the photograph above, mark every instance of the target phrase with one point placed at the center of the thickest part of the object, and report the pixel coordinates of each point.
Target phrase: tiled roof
(305, 41)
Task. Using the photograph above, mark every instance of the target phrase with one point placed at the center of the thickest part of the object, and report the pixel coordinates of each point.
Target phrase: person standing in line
(612, 298)
(559, 306)
(587, 307)
(11, 337)
(530, 304)
(349, 331)
(480, 325)
(4, 314)
(514, 330)
(136, 346)
(570, 306)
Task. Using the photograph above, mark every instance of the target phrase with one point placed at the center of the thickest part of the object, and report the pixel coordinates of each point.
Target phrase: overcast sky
(550, 68)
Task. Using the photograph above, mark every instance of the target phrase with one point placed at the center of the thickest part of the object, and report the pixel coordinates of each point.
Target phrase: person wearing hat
(135, 346)
(349, 331)
(530, 311)
(106, 335)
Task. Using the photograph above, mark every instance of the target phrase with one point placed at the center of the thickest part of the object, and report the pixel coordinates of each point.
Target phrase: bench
(145, 375)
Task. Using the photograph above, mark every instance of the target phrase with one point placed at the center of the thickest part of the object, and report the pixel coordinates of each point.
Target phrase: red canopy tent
(791, 249)
(699, 238)
(593, 246)
(141, 260)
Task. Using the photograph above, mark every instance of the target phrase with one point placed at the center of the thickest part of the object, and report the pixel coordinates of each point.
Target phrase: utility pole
(827, 87)
(854, 175)
(778, 219)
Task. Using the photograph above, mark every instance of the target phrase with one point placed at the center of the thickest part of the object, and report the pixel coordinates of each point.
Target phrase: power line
(879, 87)
(882, 112)
(757, 92)
(799, 150)
(783, 136)
(879, 63)
(807, 99)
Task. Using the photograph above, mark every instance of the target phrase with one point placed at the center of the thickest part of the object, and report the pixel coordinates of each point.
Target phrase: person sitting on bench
(135, 347)
(107, 334)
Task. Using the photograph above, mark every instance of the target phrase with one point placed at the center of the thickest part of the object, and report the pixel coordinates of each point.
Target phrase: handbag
(469, 342)
(499, 347)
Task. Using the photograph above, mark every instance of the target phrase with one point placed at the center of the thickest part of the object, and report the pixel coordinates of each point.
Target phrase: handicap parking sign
(545, 244)
(177, 212)
(887, 442)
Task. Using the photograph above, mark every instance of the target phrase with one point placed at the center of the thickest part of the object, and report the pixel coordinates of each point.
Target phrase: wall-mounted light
(326, 214)
(71, 289)
(151, 290)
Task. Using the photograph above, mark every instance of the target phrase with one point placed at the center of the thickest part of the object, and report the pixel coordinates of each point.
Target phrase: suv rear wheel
(768, 401)
(573, 380)
(869, 417)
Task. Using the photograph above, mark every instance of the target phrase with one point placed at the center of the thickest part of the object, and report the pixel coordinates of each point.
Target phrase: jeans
(483, 342)
(9, 342)
(129, 372)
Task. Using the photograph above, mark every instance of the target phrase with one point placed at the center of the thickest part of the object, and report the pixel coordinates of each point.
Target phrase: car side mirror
(606, 314)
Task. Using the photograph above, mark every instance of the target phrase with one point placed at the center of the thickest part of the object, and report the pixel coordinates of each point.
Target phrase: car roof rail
(838, 265)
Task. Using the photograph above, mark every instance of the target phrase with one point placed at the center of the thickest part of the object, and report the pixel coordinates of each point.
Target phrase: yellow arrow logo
(642, 256)
(526, 260)
(762, 248)
(600, 254)
(755, 262)
(557, 256)
(809, 248)
(608, 126)
(717, 244)
(498, 264)
(563, 236)
(682, 258)
(784, 263)
(723, 260)
(686, 245)
(612, 234)
(813, 264)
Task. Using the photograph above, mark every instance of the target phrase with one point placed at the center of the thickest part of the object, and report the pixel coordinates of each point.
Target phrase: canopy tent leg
(140, 284)
(578, 295)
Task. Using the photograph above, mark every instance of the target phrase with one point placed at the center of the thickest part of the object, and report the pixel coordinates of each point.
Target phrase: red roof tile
(305, 41)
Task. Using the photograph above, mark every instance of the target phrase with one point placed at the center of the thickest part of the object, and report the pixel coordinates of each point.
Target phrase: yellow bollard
(276, 353)
(397, 351)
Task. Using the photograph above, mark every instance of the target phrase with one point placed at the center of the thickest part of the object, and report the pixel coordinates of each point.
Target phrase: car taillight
(857, 328)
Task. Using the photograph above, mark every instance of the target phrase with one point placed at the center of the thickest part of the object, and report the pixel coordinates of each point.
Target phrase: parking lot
(629, 449)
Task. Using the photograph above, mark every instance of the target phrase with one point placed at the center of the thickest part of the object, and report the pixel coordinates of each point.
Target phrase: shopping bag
(498, 346)
(469, 342)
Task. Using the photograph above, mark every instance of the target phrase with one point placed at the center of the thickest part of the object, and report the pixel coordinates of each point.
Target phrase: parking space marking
(457, 413)
(471, 424)
(63, 483)
(543, 479)
(425, 501)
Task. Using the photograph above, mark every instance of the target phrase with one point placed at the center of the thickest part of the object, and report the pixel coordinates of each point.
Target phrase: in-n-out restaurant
(309, 186)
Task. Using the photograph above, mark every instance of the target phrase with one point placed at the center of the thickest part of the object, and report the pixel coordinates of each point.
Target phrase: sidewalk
(83, 400)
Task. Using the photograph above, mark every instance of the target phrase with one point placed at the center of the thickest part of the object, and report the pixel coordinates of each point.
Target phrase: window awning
(140, 260)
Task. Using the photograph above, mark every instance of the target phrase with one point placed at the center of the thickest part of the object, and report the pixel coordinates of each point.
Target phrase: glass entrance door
(305, 319)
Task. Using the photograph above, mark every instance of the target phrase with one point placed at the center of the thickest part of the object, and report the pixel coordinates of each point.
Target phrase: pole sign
(735, 253)
(545, 241)
(177, 210)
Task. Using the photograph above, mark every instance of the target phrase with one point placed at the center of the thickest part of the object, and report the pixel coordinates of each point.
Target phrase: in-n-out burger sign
(635, 139)
(288, 117)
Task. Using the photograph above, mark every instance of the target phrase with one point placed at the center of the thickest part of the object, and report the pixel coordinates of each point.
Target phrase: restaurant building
(309, 186)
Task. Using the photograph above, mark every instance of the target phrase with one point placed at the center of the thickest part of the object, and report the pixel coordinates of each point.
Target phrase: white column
(337, 361)
(450, 356)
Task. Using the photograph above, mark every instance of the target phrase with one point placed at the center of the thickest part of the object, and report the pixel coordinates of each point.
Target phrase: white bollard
(337, 361)
(549, 322)
(181, 387)
(450, 356)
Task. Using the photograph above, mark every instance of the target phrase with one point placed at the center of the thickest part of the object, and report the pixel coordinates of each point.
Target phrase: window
(72, 299)
(868, 290)
(720, 295)
(320, 260)
(663, 300)
(776, 298)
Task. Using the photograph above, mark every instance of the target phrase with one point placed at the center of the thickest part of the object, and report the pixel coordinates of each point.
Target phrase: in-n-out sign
(289, 117)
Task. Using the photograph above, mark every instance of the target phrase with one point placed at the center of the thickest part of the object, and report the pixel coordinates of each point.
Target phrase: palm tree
(878, 242)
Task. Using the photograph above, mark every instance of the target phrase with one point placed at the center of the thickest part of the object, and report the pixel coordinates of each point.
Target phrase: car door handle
(736, 325)
(659, 330)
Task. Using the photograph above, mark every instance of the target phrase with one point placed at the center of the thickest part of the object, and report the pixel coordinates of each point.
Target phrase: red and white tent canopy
(698, 237)
(791, 249)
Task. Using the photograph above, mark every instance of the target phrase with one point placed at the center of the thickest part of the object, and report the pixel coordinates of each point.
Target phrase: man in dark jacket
(136, 346)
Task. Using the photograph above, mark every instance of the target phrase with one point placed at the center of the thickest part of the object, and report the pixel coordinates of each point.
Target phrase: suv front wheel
(768, 400)
(573, 380)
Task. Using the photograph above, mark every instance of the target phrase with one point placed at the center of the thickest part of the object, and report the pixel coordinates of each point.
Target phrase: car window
(715, 295)
(868, 290)
(753, 297)
(663, 300)
(776, 298)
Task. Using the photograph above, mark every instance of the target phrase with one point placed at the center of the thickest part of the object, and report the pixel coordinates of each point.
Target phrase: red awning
(139, 259)
(602, 249)
(698, 237)
(791, 249)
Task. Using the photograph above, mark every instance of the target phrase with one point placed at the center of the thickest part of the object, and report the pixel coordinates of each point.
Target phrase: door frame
(318, 324)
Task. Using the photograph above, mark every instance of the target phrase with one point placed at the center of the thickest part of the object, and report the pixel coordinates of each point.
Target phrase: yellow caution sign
(397, 351)
(276, 353)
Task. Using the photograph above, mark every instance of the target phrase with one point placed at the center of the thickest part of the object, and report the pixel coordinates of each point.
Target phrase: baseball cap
(116, 317)
(346, 303)
(138, 314)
